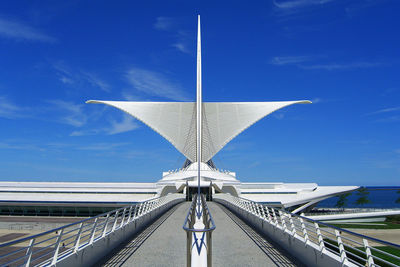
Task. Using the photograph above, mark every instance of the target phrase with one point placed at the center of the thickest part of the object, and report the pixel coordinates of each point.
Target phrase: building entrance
(207, 191)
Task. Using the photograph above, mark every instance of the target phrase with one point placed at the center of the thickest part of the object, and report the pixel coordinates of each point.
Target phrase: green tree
(398, 199)
(342, 200)
(363, 193)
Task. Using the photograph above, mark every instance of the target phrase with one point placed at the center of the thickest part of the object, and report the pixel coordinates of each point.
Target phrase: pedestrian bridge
(150, 234)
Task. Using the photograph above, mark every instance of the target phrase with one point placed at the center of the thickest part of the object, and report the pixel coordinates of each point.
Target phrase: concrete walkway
(237, 244)
(164, 243)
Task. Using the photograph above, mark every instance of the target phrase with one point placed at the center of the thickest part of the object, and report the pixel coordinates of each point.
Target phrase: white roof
(176, 121)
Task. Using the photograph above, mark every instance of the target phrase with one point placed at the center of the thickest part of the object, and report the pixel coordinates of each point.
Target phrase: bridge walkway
(164, 243)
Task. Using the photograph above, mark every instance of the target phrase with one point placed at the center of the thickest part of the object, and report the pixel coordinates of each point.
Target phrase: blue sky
(341, 54)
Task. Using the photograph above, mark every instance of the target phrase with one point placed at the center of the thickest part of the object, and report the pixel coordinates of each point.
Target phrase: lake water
(380, 197)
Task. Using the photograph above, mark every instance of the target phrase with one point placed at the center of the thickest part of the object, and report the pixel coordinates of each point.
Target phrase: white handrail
(351, 248)
(50, 247)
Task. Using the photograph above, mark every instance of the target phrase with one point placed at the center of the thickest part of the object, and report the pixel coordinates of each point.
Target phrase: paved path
(164, 243)
(161, 244)
(237, 244)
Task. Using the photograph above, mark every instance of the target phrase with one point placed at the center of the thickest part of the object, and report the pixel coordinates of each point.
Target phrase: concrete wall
(91, 254)
(309, 254)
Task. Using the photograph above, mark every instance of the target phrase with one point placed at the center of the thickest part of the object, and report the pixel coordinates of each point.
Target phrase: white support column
(29, 252)
(57, 247)
(78, 238)
(93, 233)
(370, 259)
(342, 251)
(320, 239)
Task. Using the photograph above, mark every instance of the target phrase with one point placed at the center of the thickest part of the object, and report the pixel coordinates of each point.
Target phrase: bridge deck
(164, 243)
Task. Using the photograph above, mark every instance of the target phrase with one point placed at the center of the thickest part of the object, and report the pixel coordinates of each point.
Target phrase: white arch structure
(219, 123)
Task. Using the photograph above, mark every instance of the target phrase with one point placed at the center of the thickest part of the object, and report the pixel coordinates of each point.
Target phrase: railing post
(283, 222)
(292, 225)
(29, 252)
(115, 221)
(57, 247)
(320, 239)
(123, 218)
(342, 251)
(268, 215)
(78, 238)
(370, 258)
(274, 216)
(130, 214)
(305, 234)
(93, 232)
(105, 225)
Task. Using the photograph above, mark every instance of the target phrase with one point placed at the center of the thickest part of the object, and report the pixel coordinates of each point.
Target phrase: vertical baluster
(93, 233)
(105, 225)
(292, 225)
(29, 252)
(305, 234)
(130, 214)
(320, 239)
(57, 247)
(274, 216)
(115, 220)
(370, 259)
(263, 211)
(268, 215)
(123, 218)
(78, 238)
(342, 251)
(283, 221)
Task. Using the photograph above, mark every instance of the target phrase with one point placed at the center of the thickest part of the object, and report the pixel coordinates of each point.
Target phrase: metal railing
(352, 248)
(50, 247)
(199, 238)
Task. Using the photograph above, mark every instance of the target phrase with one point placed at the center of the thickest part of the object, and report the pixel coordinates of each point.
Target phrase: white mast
(198, 104)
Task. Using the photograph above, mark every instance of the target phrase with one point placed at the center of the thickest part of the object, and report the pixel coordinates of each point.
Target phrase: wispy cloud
(127, 123)
(9, 110)
(68, 76)
(164, 23)
(155, 84)
(385, 110)
(308, 63)
(16, 30)
(102, 146)
(71, 113)
(289, 60)
(172, 25)
(344, 66)
(181, 47)
(296, 4)
(316, 100)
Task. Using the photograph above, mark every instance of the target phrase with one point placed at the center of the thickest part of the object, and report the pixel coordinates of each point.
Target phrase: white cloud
(164, 23)
(181, 47)
(306, 62)
(68, 76)
(155, 84)
(385, 110)
(102, 146)
(171, 25)
(19, 31)
(128, 123)
(72, 113)
(96, 81)
(299, 3)
(8, 109)
(291, 60)
(316, 100)
(345, 66)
